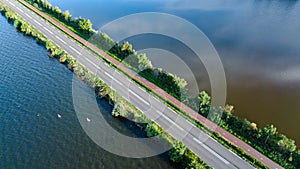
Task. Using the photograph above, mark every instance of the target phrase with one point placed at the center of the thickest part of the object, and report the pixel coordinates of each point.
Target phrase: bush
(152, 129)
(177, 152)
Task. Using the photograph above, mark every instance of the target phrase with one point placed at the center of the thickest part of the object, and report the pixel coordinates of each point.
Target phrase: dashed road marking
(138, 97)
(75, 50)
(211, 151)
(37, 22)
(20, 9)
(113, 78)
(60, 40)
(171, 121)
(28, 16)
(92, 63)
(48, 30)
(12, 4)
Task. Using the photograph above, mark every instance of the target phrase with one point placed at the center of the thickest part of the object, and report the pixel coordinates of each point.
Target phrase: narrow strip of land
(209, 150)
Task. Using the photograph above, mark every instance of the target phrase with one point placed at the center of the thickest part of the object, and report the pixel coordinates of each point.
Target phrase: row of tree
(267, 139)
(82, 25)
(124, 52)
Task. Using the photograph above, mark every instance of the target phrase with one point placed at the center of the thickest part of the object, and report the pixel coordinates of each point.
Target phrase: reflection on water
(257, 40)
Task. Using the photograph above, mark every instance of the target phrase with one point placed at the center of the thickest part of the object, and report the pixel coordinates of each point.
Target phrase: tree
(126, 50)
(119, 110)
(177, 151)
(45, 5)
(49, 45)
(267, 132)
(57, 11)
(296, 158)
(144, 62)
(204, 100)
(181, 83)
(126, 47)
(25, 28)
(85, 25)
(286, 144)
(10, 16)
(36, 5)
(193, 164)
(17, 24)
(67, 16)
(102, 90)
(153, 129)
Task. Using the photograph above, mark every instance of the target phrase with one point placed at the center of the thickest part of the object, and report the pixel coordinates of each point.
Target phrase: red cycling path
(225, 134)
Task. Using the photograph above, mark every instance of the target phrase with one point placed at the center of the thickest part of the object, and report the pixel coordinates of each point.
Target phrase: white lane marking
(48, 30)
(12, 4)
(210, 150)
(235, 154)
(28, 16)
(113, 78)
(166, 117)
(170, 109)
(75, 50)
(92, 63)
(189, 122)
(60, 40)
(156, 99)
(37, 22)
(20, 9)
(138, 97)
(109, 75)
(139, 109)
(212, 139)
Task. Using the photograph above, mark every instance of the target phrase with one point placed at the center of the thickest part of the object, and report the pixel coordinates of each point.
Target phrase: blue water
(34, 89)
(258, 43)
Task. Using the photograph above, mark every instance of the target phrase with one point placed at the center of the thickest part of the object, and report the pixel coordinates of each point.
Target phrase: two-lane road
(212, 152)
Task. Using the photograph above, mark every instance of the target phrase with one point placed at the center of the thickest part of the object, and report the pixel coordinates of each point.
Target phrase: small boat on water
(58, 115)
(88, 120)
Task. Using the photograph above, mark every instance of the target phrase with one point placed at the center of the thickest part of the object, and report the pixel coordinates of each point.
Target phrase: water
(33, 90)
(258, 42)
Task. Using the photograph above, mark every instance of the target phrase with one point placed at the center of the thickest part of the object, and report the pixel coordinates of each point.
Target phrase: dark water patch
(34, 89)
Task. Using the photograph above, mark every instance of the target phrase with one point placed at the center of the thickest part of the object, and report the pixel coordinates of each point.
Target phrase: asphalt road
(212, 152)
